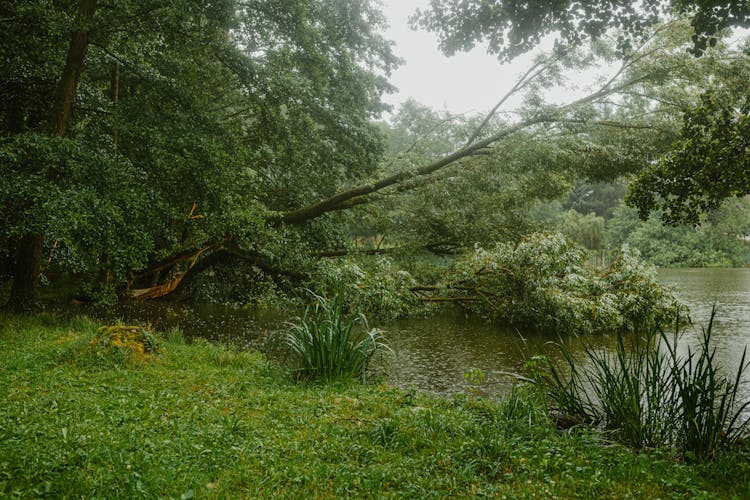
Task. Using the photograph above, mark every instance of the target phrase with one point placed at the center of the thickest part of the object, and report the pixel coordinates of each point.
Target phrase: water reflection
(434, 354)
(729, 290)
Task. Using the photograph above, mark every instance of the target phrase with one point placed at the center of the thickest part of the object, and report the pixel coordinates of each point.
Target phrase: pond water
(434, 354)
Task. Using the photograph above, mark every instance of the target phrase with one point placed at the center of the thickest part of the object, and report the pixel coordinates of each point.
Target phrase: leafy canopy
(710, 161)
(511, 27)
(191, 121)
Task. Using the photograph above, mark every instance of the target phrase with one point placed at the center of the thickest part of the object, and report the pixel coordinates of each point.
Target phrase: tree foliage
(239, 136)
(543, 282)
(510, 28)
(378, 289)
(490, 196)
(717, 242)
(190, 122)
(709, 162)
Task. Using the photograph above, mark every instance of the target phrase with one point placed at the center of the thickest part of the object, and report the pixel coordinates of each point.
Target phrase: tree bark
(29, 247)
(115, 91)
(67, 86)
(26, 272)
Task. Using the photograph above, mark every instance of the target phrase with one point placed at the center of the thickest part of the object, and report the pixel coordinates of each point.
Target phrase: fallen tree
(634, 70)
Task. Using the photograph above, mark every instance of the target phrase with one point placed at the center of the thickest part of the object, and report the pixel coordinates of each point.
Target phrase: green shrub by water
(651, 396)
(327, 343)
(544, 282)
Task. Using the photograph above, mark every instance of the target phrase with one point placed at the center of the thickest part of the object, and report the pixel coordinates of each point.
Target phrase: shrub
(544, 282)
(377, 290)
(326, 343)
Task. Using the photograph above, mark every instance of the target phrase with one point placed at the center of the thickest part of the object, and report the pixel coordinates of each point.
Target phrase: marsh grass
(329, 344)
(710, 414)
(649, 395)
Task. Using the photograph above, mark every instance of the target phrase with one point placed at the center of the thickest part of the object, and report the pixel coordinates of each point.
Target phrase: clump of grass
(651, 396)
(327, 343)
(710, 416)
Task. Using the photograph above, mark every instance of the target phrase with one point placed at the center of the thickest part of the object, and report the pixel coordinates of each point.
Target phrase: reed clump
(650, 395)
(328, 343)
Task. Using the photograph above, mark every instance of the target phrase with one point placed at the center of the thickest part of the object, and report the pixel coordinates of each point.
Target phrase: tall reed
(650, 395)
(710, 415)
(327, 343)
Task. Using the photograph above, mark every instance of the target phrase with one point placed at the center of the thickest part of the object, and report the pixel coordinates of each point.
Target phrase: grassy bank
(202, 420)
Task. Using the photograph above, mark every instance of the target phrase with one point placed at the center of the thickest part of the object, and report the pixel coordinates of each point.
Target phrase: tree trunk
(115, 94)
(67, 86)
(26, 272)
(29, 247)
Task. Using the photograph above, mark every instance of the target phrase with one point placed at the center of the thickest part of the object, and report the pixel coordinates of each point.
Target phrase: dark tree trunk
(67, 86)
(29, 247)
(26, 272)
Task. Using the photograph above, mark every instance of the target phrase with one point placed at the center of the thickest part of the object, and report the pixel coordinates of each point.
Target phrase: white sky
(466, 82)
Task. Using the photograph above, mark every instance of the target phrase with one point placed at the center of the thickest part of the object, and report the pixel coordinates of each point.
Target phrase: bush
(543, 282)
(327, 344)
(377, 290)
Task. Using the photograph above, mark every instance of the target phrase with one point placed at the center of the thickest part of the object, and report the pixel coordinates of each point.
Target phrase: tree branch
(443, 248)
(338, 201)
(537, 69)
(613, 124)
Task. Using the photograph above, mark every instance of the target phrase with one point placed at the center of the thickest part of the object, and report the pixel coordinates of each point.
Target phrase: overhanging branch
(338, 201)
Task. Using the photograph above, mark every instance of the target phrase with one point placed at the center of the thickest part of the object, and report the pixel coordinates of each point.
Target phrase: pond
(434, 354)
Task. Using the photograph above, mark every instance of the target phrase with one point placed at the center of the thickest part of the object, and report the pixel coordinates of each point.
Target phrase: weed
(709, 415)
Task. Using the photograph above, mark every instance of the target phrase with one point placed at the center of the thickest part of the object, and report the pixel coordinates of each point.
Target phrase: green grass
(207, 421)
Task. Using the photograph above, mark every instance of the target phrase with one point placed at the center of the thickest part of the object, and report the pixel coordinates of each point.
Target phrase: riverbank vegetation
(649, 393)
(329, 344)
(237, 152)
(543, 282)
(197, 419)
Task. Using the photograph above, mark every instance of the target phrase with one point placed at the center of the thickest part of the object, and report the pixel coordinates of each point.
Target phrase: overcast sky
(466, 82)
(463, 83)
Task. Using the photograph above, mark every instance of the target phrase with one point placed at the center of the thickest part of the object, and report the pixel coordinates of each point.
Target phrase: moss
(139, 339)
